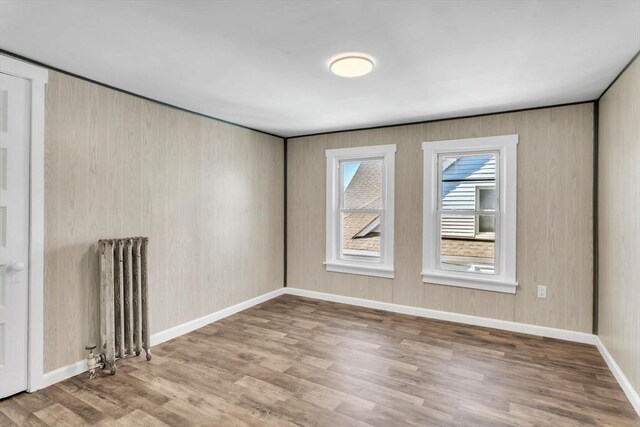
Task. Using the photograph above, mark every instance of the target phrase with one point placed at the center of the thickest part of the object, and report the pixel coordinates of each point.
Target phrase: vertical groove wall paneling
(555, 178)
(208, 194)
(619, 222)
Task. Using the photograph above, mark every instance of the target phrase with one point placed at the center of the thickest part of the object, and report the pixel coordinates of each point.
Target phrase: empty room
(320, 213)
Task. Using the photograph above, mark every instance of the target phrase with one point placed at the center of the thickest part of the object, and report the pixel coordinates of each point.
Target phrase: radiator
(124, 308)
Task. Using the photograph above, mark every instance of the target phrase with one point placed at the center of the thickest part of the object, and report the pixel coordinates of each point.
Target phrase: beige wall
(619, 222)
(555, 183)
(208, 194)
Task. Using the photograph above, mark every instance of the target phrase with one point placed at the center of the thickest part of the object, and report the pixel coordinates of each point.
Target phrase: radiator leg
(148, 354)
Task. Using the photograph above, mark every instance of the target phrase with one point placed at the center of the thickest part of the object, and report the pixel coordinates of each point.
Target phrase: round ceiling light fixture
(351, 65)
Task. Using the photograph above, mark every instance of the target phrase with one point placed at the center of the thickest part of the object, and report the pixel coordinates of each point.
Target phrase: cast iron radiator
(124, 308)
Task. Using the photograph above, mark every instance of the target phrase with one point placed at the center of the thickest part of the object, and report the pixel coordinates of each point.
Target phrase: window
(360, 210)
(469, 232)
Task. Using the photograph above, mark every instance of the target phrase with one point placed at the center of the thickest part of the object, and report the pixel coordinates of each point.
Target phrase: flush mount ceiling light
(351, 65)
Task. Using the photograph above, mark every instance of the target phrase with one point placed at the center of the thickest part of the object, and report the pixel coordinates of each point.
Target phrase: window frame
(334, 260)
(504, 279)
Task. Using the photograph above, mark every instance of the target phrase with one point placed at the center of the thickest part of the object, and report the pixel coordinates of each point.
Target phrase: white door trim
(38, 77)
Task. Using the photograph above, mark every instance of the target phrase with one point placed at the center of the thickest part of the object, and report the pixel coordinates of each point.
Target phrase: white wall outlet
(542, 291)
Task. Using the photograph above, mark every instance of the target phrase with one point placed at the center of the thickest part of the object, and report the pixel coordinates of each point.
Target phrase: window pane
(461, 177)
(361, 235)
(362, 184)
(487, 199)
(486, 224)
(464, 249)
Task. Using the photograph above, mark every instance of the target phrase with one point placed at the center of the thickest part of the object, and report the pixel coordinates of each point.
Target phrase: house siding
(460, 180)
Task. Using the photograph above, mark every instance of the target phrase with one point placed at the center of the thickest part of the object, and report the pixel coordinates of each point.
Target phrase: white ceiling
(263, 64)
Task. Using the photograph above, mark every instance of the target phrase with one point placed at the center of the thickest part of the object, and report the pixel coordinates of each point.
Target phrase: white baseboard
(80, 366)
(486, 322)
(198, 323)
(626, 386)
(63, 373)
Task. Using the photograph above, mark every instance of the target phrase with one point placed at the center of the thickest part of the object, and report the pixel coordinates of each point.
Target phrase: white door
(14, 232)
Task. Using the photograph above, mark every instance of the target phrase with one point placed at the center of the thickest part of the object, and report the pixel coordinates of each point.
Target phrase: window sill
(465, 282)
(363, 270)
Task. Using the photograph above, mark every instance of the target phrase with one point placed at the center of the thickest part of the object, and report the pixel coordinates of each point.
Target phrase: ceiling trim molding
(620, 74)
(41, 64)
(444, 119)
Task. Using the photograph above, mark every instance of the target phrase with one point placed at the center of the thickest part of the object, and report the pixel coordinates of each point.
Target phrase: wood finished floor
(297, 361)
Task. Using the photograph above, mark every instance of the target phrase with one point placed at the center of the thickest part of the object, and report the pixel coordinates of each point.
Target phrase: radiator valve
(93, 361)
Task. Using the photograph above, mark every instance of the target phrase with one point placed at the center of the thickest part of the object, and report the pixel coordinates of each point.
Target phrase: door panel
(14, 232)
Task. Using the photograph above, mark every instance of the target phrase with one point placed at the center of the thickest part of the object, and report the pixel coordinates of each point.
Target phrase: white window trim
(505, 279)
(333, 262)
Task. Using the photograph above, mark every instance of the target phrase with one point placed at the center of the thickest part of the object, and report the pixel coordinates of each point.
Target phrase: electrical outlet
(542, 291)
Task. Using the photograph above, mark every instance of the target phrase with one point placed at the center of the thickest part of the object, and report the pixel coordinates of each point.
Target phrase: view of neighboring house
(468, 183)
(361, 230)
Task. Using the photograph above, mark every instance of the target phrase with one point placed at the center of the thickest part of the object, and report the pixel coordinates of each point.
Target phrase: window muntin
(469, 213)
(360, 210)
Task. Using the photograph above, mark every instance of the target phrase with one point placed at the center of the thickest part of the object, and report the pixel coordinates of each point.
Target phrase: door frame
(38, 78)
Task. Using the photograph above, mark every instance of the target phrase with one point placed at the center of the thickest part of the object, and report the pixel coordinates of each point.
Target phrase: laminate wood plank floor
(297, 361)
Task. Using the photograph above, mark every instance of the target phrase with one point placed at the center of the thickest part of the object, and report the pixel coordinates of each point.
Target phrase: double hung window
(470, 213)
(360, 203)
